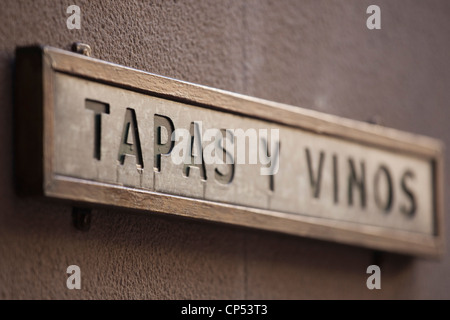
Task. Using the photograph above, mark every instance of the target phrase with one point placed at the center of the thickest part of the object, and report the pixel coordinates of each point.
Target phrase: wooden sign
(98, 133)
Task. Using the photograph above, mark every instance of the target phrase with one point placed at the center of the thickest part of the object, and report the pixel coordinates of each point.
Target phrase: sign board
(95, 132)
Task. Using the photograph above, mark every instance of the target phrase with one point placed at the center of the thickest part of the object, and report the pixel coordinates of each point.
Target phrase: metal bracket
(82, 48)
(81, 218)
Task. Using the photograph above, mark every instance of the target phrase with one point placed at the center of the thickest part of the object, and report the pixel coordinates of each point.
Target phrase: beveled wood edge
(367, 236)
(297, 117)
(362, 235)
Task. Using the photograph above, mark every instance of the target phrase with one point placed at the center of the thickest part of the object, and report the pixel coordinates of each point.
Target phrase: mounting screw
(376, 119)
(82, 48)
(81, 218)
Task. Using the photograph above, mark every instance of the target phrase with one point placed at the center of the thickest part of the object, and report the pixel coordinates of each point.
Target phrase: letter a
(130, 142)
(74, 21)
(374, 281)
(374, 21)
(74, 281)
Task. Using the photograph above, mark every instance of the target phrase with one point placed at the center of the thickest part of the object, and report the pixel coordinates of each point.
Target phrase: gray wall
(313, 54)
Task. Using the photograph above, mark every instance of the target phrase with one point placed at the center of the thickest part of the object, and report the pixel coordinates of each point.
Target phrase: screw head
(82, 48)
(81, 218)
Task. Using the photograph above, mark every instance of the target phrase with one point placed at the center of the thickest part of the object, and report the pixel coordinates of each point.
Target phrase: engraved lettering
(225, 178)
(270, 155)
(130, 143)
(196, 152)
(358, 182)
(387, 204)
(160, 146)
(98, 108)
(315, 179)
(241, 139)
(335, 179)
(413, 205)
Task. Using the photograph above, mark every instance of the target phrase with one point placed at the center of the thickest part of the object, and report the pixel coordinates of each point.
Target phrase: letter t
(98, 108)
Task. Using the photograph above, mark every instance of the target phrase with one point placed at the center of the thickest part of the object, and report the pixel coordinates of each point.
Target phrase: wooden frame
(35, 69)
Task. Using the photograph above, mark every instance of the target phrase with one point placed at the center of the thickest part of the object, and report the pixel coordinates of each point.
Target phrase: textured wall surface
(312, 54)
